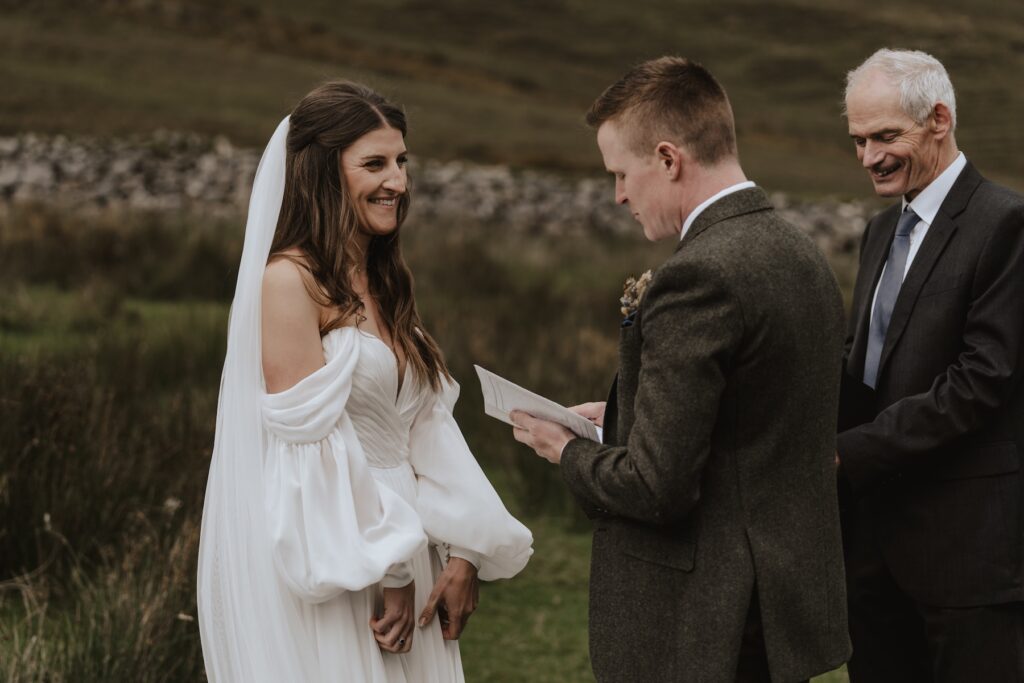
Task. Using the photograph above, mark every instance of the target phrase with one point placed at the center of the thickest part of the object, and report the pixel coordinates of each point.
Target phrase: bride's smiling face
(374, 169)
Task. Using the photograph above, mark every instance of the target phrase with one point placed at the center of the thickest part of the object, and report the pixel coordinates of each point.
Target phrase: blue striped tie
(888, 290)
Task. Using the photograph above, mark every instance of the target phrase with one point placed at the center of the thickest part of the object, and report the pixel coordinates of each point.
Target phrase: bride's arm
(327, 515)
(292, 348)
(457, 504)
(461, 511)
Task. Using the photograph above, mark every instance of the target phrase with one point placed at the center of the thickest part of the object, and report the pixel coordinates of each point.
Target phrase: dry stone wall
(175, 171)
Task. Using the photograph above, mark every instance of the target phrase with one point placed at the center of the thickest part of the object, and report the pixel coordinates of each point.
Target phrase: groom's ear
(671, 159)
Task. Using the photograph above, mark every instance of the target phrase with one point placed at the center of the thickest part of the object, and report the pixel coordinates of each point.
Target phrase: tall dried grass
(112, 330)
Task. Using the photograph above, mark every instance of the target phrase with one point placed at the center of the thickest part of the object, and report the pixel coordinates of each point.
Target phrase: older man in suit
(716, 553)
(932, 413)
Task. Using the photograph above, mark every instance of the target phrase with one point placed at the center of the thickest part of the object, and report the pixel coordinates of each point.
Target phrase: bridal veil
(245, 615)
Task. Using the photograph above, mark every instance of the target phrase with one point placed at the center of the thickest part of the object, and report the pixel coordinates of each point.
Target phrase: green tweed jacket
(717, 473)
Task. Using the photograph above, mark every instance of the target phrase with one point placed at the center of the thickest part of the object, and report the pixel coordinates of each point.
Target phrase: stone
(169, 170)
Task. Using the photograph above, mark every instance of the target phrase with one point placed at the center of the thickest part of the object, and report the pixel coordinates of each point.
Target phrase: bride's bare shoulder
(290, 325)
(286, 282)
(287, 273)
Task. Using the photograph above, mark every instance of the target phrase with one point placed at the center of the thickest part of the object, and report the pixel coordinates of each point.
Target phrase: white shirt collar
(711, 200)
(927, 204)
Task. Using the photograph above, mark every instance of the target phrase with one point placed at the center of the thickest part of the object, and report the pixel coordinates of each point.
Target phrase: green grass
(112, 334)
(534, 627)
(505, 82)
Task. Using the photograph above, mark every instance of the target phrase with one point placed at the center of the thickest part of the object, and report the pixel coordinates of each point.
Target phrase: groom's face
(640, 182)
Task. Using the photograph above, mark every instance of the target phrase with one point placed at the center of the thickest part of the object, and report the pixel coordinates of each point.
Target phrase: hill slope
(501, 82)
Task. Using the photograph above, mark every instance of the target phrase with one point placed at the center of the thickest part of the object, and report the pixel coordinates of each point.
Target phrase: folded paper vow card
(502, 397)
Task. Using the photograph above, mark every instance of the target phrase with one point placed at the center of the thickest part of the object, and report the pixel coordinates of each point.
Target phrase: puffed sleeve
(333, 528)
(457, 504)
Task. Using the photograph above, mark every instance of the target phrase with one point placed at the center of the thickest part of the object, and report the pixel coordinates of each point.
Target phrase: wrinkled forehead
(872, 105)
(872, 90)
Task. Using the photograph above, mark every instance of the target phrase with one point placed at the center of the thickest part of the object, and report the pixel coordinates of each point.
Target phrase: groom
(716, 552)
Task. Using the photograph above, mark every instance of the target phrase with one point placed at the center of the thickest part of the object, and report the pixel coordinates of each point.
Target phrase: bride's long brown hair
(318, 219)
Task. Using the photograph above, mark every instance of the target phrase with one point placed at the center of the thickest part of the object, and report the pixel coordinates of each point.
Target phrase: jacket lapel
(939, 234)
(872, 262)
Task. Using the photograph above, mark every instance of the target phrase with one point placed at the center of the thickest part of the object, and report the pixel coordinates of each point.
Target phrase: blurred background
(129, 133)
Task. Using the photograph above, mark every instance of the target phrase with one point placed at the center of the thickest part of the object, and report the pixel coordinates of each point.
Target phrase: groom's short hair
(671, 99)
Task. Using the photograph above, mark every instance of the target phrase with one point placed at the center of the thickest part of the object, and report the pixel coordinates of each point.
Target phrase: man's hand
(454, 598)
(393, 629)
(546, 438)
(593, 411)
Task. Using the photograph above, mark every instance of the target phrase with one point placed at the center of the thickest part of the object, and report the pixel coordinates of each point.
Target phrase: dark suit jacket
(932, 455)
(718, 468)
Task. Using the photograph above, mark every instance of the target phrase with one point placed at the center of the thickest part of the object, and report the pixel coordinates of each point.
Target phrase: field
(110, 356)
(503, 82)
(112, 324)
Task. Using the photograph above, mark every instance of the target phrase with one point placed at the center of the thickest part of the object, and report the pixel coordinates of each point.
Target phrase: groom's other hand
(455, 597)
(593, 411)
(546, 438)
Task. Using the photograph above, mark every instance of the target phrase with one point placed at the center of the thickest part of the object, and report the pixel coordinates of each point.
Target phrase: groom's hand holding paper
(501, 397)
(593, 411)
(540, 423)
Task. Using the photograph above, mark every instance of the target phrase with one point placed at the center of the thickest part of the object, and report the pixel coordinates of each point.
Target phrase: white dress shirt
(711, 200)
(926, 205)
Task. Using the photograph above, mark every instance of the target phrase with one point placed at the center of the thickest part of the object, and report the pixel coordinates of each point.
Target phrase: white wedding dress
(365, 478)
(322, 494)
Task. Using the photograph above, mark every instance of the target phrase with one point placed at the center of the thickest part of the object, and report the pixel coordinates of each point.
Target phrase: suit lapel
(939, 234)
(875, 256)
(934, 243)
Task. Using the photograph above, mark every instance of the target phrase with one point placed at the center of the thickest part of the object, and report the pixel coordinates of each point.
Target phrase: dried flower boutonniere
(632, 293)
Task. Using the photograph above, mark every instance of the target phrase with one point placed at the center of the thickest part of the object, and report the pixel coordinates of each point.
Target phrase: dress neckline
(402, 376)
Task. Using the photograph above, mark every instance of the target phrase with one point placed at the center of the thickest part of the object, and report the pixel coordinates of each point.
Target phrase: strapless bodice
(381, 410)
(380, 463)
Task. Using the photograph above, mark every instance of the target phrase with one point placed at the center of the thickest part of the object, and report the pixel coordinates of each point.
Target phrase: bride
(346, 522)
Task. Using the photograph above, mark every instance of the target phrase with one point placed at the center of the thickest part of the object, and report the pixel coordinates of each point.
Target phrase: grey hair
(921, 79)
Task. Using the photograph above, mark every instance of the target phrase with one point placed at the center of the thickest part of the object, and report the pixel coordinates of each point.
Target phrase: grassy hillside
(502, 82)
(111, 347)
